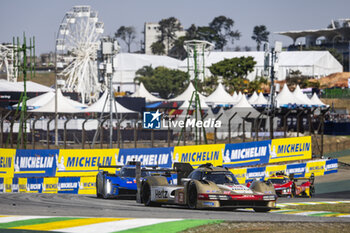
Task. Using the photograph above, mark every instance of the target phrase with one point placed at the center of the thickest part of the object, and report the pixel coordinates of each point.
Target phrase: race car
(123, 182)
(206, 187)
(287, 185)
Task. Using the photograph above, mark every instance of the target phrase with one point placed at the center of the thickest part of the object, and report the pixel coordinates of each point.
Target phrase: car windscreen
(278, 181)
(220, 177)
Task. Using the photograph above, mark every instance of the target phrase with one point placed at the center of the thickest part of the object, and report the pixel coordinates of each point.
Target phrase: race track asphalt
(90, 206)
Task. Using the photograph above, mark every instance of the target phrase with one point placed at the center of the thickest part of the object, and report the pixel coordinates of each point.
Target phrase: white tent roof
(135, 61)
(10, 86)
(301, 97)
(285, 97)
(36, 87)
(64, 105)
(187, 94)
(39, 100)
(243, 103)
(239, 97)
(243, 107)
(316, 101)
(235, 97)
(220, 96)
(261, 100)
(253, 98)
(6, 86)
(126, 65)
(142, 92)
(98, 106)
(310, 63)
(186, 103)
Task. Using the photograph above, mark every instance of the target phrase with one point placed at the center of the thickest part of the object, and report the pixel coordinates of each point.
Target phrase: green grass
(172, 227)
(339, 208)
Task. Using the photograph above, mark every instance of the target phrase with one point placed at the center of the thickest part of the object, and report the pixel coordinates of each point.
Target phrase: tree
(260, 34)
(192, 32)
(223, 28)
(127, 34)
(168, 27)
(162, 80)
(158, 48)
(178, 51)
(234, 71)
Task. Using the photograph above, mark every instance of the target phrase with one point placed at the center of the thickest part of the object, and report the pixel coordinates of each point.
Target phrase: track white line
(20, 218)
(116, 225)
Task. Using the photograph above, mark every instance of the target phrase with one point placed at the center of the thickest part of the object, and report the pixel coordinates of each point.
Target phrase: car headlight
(109, 186)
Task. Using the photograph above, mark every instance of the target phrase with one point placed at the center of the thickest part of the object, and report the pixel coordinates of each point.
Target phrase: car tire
(312, 191)
(293, 191)
(104, 193)
(98, 194)
(262, 210)
(146, 196)
(192, 196)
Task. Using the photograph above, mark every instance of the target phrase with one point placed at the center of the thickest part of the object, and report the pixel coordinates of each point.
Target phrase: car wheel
(312, 191)
(192, 196)
(146, 195)
(262, 210)
(104, 191)
(293, 191)
(98, 194)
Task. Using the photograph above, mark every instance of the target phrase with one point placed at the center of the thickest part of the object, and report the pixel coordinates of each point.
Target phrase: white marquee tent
(39, 101)
(301, 97)
(310, 63)
(220, 97)
(6, 86)
(285, 97)
(316, 101)
(98, 106)
(186, 104)
(142, 92)
(64, 105)
(126, 65)
(253, 98)
(260, 101)
(187, 94)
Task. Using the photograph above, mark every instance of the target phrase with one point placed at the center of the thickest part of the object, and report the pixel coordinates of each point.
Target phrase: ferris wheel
(77, 42)
(7, 59)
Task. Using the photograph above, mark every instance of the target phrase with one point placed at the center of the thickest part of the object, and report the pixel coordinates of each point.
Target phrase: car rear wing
(311, 179)
(182, 170)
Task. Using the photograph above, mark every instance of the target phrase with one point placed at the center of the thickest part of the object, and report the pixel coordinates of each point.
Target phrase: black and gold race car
(206, 187)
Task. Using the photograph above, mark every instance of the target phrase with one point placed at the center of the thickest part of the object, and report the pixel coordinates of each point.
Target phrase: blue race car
(123, 182)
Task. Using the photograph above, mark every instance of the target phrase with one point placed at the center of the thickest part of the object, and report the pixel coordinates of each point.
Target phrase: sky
(41, 18)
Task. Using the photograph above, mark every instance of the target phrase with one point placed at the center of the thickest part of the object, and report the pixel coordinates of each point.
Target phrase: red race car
(287, 185)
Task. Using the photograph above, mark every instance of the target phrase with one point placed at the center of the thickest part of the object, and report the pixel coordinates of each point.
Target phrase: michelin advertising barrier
(74, 170)
(80, 163)
(87, 185)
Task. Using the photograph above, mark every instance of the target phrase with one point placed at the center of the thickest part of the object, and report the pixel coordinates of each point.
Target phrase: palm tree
(260, 34)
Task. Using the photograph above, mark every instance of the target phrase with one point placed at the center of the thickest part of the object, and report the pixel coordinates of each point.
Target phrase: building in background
(336, 35)
(152, 34)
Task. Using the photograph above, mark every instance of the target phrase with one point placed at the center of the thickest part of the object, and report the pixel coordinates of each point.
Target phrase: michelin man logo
(273, 153)
(16, 165)
(176, 159)
(60, 165)
(121, 161)
(226, 157)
